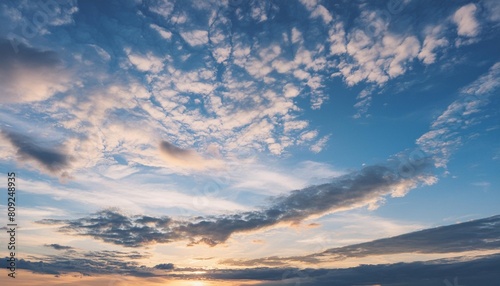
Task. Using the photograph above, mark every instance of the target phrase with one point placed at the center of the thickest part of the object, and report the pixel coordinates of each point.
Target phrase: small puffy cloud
(145, 63)
(161, 7)
(196, 37)
(433, 41)
(164, 266)
(320, 144)
(321, 12)
(163, 33)
(466, 21)
(289, 90)
(309, 135)
(28, 74)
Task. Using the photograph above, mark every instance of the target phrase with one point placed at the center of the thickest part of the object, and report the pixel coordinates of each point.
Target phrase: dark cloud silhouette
(14, 53)
(58, 246)
(111, 226)
(174, 151)
(165, 266)
(353, 190)
(52, 159)
(87, 262)
(482, 234)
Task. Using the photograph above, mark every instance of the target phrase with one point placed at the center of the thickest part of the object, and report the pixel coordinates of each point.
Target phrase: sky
(251, 142)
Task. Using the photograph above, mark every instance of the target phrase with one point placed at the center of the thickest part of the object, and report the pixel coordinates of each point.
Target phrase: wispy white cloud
(492, 9)
(486, 83)
(444, 137)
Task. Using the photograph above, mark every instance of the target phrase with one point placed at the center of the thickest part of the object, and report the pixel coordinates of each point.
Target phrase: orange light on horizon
(198, 283)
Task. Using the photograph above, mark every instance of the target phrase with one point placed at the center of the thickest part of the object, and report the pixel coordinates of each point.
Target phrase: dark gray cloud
(173, 150)
(12, 54)
(353, 190)
(52, 159)
(482, 234)
(165, 266)
(86, 262)
(111, 226)
(59, 247)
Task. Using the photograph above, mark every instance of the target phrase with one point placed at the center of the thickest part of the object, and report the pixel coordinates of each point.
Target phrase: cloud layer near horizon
(476, 235)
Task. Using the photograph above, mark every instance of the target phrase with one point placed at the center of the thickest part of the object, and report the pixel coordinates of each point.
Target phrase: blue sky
(198, 132)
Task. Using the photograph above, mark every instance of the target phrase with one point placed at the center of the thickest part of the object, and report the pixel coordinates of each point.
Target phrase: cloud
(318, 146)
(59, 247)
(51, 159)
(485, 84)
(28, 74)
(161, 7)
(164, 266)
(433, 272)
(434, 40)
(465, 20)
(176, 156)
(361, 188)
(481, 234)
(145, 63)
(87, 262)
(113, 227)
(493, 10)
(163, 33)
(195, 38)
(477, 235)
(442, 140)
(472, 238)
